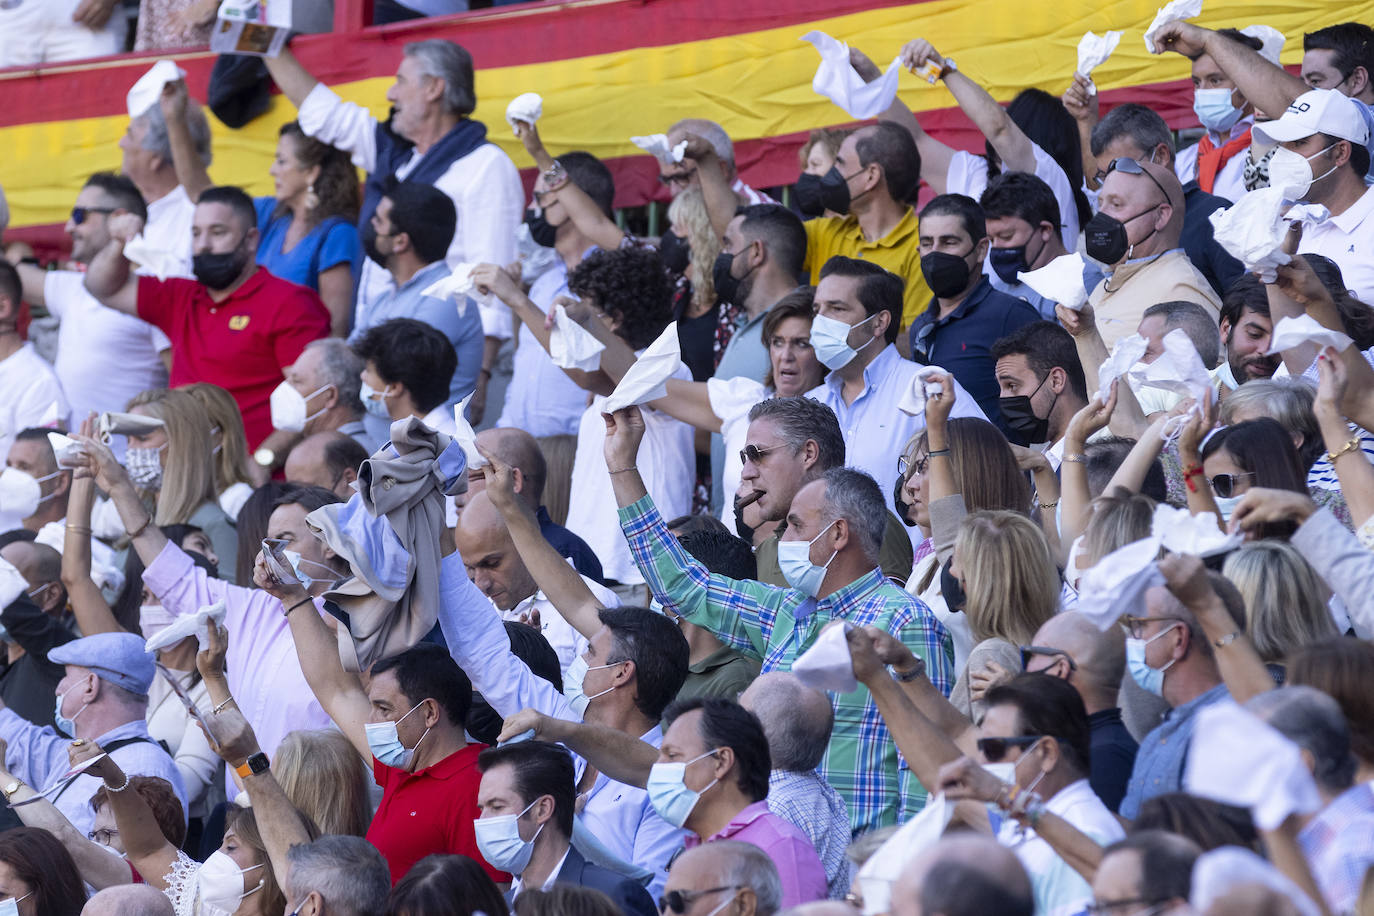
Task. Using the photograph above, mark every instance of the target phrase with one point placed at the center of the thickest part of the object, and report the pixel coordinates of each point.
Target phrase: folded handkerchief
(1237, 758)
(1093, 51)
(1304, 329)
(123, 424)
(527, 107)
(647, 378)
(1061, 280)
(1271, 41)
(656, 145)
(572, 346)
(159, 263)
(197, 625)
(1180, 531)
(459, 287)
(146, 93)
(1117, 584)
(65, 449)
(1253, 230)
(882, 869)
(463, 434)
(827, 665)
(925, 385)
(839, 82)
(1127, 352)
(1173, 11)
(1178, 369)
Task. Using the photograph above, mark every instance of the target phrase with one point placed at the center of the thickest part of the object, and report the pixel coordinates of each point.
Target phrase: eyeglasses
(1224, 485)
(1131, 167)
(103, 836)
(678, 179)
(679, 901)
(1028, 651)
(995, 749)
(1112, 906)
(1135, 626)
(920, 463)
(79, 214)
(752, 453)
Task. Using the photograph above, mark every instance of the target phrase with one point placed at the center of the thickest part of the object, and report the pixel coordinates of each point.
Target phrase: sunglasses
(1135, 626)
(1027, 652)
(1224, 485)
(1131, 167)
(903, 465)
(752, 453)
(679, 901)
(994, 750)
(79, 214)
(678, 179)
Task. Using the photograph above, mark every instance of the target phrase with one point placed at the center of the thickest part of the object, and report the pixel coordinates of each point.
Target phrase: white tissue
(656, 145)
(572, 346)
(827, 665)
(1127, 352)
(838, 81)
(1271, 41)
(161, 264)
(1173, 11)
(146, 93)
(1237, 758)
(197, 625)
(647, 379)
(925, 385)
(1253, 230)
(463, 434)
(1304, 329)
(1116, 585)
(527, 107)
(886, 865)
(1061, 281)
(1180, 531)
(1307, 214)
(1093, 51)
(65, 449)
(1178, 369)
(109, 424)
(459, 287)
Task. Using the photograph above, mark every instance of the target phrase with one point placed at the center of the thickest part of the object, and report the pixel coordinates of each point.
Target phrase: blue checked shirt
(1339, 846)
(777, 625)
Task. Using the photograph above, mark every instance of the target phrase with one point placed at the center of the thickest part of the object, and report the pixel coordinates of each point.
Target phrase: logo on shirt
(238, 322)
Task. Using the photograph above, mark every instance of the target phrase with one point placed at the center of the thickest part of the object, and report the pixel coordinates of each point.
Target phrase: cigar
(750, 499)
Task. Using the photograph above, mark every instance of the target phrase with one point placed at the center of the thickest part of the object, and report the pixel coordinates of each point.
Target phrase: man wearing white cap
(102, 699)
(1322, 159)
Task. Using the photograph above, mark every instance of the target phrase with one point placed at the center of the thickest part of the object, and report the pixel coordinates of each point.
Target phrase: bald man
(725, 876)
(965, 874)
(33, 627)
(129, 900)
(496, 568)
(329, 459)
(1071, 647)
(1135, 235)
(520, 450)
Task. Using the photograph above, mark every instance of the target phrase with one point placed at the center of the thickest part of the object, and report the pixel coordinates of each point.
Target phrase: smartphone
(274, 553)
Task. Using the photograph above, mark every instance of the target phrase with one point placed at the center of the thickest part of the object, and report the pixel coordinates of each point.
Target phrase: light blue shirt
(746, 355)
(1023, 292)
(1163, 752)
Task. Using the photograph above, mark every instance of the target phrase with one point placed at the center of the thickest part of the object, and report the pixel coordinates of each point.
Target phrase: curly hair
(337, 186)
(631, 286)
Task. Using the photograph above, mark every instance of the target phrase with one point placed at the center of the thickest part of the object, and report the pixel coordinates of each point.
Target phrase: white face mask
(153, 619)
(1292, 172)
(219, 884)
(830, 340)
(20, 493)
(289, 407)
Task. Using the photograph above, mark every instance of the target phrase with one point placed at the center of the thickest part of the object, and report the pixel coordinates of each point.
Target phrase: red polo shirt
(429, 811)
(242, 344)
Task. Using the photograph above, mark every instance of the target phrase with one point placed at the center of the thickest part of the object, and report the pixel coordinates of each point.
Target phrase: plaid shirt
(1339, 846)
(779, 624)
(817, 809)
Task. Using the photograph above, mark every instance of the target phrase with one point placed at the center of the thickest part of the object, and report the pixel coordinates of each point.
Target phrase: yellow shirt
(898, 251)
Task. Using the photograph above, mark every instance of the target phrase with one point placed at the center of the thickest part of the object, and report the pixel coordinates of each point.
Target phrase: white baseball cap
(1317, 111)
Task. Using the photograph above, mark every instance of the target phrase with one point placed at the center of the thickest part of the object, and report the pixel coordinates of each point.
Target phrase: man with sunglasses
(726, 877)
(1135, 235)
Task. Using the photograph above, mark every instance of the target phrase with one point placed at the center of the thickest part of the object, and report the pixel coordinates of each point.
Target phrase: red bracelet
(1189, 474)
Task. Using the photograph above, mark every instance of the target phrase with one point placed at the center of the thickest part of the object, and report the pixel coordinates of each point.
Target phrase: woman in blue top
(308, 229)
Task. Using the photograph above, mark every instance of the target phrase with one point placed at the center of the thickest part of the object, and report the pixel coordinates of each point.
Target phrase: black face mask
(953, 592)
(1105, 239)
(675, 252)
(945, 273)
(368, 236)
(540, 230)
(728, 287)
(1018, 418)
(902, 507)
(218, 271)
(807, 193)
(1008, 262)
(823, 192)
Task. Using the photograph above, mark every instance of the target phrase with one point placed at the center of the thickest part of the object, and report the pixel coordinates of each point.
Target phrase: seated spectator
(446, 884)
(1337, 667)
(1038, 371)
(1255, 453)
(325, 381)
(720, 873)
(329, 460)
(1023, 222)
(30, 678)
(33, 394)
(338, 876)
(1150, 869)
(1218, 161)
(1194, 320)
(418, 362)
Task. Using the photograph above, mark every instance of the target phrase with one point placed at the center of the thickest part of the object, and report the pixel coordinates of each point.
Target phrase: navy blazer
(628, 895)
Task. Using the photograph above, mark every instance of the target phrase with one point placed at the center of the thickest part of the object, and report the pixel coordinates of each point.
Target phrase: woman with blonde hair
(173, 465)
(325, 778)
(704, 322)
(234, 480)
(1285, 606)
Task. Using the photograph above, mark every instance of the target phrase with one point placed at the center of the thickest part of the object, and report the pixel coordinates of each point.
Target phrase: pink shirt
(799, 868)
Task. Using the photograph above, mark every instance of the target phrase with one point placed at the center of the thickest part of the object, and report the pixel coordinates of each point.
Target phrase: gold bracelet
(141, 528)
(624, 470)
(1052, 505)
(1350, 446)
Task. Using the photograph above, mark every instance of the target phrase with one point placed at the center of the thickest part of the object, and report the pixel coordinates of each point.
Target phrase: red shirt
(242, 344)
(429, 811)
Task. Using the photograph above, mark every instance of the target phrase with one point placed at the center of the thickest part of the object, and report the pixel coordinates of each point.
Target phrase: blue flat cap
(116, 657)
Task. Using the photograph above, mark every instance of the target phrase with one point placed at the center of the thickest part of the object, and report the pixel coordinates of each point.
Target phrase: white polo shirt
(1348, 239)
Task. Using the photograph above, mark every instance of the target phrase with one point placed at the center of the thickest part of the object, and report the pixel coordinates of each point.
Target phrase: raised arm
(719, 196)
(93, 613)
(935, 156)
(1075, 498)
(1353, 469)
(190, 168)
(1195, 430)
(1130, 475)
(144, 845)
(622, 757)
(32, 279)
(108, 277)
(1082, 104)
(97, 460)
(916, 685)
(294, 80)
(586, 215)
(1271, 88)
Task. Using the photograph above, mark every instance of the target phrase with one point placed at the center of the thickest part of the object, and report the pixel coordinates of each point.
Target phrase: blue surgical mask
(1149, 679)
(65, 725)
(10, 907)
(794, 558)
(1214, 109)
(498, 839)
(669, 794)
(1226, 505)
(572, 685)
(385, 744)
(830, 340)
(297, 561)
(374, 401)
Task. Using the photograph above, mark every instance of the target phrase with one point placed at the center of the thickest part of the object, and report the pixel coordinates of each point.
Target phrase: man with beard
(1245, 330)
(235, 325)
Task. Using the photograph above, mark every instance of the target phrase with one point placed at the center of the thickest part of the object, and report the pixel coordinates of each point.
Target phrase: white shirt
(1230, 180)
(968, 174)
(168, 227)
(169, 722)
(1347, 239)
(484, 186)
(30, 395)
(731, 400)
(666, 461)
(566, 641)
(104, 357)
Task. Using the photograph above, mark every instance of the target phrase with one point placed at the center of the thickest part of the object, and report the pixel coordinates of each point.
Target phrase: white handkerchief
(647, 378)
(1180, 531)
(145, 93)
(65, 449)
(827, 665)
(885, 866)
(1253, 230)
(1309, 214)
(1271, 41)
(1226, 868)
(459, 287)
(1304, 329)
(572, 346)
(1093, 51)
(656, 145)
(463, 434)
(1117, 584)
(110, 424)
(527, 107)
(838, 81)
(1127, 352)
(1172, 11)
(925, 385)
(1237, 758)
(197, 625)
(12, 584)
(1061, 281)
(1178, 369)
(162, 264)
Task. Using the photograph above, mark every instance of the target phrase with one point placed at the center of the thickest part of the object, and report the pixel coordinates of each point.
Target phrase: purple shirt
(803, 876)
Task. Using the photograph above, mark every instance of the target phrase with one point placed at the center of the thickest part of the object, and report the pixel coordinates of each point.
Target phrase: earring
(312, 200)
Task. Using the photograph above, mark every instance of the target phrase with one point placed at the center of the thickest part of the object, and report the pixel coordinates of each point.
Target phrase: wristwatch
(12, 788)
(265, 457)
(254, 765)
(950, 67)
